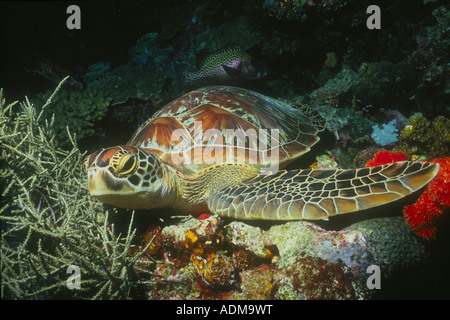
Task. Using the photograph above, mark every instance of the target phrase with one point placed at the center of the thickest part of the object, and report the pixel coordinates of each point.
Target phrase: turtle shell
(221, 124)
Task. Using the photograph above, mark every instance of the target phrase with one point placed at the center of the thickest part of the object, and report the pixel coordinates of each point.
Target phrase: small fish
(231, 65)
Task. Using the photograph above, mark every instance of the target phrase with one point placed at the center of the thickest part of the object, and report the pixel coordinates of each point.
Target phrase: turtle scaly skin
(319, 194)
(147, 172)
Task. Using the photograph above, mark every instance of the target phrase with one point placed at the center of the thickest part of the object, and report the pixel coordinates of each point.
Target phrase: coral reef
(329, 93)
(395, 245)
(343, 122)
(386, 134)
(79, 111)
(142, 78)
(318, 53)
(216, 270)
(380, 81)
(247, 238)
(352, 133)
(364, 156)
(325, 161)
(237, 31)
(299, 10)
(431, 61)
(385, 157)
(427, 138)
(48, 220)
(313, 278)
(48, 227)
(194, 235)
(295, 260)
(257, 283)
(423, 215)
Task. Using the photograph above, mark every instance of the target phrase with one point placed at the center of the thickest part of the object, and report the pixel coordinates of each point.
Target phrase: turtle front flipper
(321, 193)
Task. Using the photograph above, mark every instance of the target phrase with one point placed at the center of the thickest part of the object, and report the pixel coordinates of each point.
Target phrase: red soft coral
(421, 216)
(385, 157)
(441, 184)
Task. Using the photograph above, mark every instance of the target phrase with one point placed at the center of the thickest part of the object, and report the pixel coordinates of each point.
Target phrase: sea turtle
(184, 157)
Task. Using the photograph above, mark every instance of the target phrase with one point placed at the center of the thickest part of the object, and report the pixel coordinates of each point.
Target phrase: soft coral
(385, 157)
(421, 215)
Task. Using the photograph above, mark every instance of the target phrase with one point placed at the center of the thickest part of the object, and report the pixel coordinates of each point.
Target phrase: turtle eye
(126, 164)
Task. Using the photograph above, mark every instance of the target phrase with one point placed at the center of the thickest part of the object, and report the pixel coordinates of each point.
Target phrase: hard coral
(300, 9)
(385, 157)
(365, 156)
(257, 283)
(421, 216)
(78, 111)
(216, 270)
(49, 221)
(380, 81)
(423, 137)
(194, 235)
(324, 161)
(315, 278)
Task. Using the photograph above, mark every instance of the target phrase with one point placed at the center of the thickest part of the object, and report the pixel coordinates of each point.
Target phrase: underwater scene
(225, 150)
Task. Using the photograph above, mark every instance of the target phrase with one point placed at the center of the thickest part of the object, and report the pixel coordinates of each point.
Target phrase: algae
(49, 222)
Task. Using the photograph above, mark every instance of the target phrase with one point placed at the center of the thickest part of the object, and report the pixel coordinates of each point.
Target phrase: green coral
(298, 9)
(385, 235)
(131, 81)
(79, 111)
(379, 81)
(96, 70)
(48, 220)
(422, 137)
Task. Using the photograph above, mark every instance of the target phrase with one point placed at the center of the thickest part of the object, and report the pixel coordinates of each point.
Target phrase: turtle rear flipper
(318, 194)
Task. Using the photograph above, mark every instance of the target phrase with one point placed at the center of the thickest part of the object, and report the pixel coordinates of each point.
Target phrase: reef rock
(293, 260)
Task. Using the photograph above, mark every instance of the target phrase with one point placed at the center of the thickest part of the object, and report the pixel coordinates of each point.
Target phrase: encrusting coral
(48, 220)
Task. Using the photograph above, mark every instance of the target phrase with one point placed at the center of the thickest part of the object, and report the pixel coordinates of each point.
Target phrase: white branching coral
(48, 220)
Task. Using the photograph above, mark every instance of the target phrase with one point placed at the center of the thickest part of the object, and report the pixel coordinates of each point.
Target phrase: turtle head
(126, 177)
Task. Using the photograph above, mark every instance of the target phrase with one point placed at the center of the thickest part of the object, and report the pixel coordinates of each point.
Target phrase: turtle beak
(102, 183)
(114, 191)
